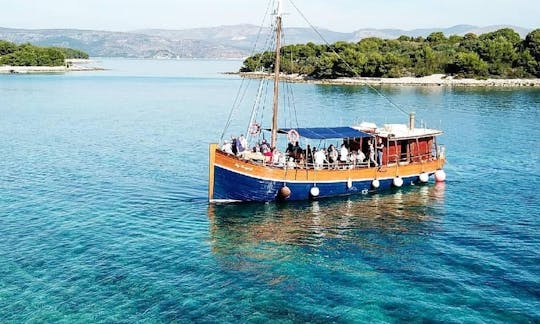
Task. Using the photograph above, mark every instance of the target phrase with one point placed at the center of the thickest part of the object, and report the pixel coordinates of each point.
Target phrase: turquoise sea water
(103, 212)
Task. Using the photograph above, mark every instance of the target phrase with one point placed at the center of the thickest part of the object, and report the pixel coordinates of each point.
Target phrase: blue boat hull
(233, 186)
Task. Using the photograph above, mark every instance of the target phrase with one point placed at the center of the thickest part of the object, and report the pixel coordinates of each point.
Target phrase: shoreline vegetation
(28, 58)
(499, 58)
(430, 80)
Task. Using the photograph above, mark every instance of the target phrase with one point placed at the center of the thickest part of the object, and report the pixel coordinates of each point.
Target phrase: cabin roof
(399, 131)
(327, 132)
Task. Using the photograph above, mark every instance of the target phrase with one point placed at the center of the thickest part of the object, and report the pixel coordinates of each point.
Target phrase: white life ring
(293, 136)
(254, 129)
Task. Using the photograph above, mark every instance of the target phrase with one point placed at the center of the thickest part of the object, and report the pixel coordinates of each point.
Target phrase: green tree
(436, 37)
(71, 53)
(506, 33)
(531, 59)
(468, 64)
(455, 39)
(324, 67)
(371, 44)
(529, 65)
(404, 38)
(373, 65)
(30, 55)
(532, 43)
(7, 47)
(497, 54)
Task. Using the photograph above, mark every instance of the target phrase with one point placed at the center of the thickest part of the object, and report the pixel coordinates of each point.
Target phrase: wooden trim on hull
(248, 168)
(212, 158)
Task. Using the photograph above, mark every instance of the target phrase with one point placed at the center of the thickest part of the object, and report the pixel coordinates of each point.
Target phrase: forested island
(501, 54)
(30, 55)
(28, 58)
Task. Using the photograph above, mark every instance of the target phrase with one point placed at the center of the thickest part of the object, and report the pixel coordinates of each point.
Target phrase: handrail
(394, 158)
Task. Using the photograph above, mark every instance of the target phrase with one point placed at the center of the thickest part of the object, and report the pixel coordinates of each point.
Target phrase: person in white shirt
(343, 154)
(282, 159)
(319, 158)
(275, 156)
(333, 156)
(227, 147)
(360, 157)
(243, 144)
(372, 154)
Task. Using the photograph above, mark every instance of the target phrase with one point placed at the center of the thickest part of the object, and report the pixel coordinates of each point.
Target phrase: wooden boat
(405, 155)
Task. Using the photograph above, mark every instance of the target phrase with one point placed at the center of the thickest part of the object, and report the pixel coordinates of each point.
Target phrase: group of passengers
(236, 146)
(297, 157)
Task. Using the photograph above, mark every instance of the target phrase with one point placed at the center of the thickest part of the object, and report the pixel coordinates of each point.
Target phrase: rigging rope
(238, 99)
(347, 64)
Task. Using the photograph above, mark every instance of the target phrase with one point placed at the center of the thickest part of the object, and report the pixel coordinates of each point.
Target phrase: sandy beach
(432, 80)
(75, 65)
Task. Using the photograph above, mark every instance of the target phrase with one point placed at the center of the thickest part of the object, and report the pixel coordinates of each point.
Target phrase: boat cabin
(403, 144)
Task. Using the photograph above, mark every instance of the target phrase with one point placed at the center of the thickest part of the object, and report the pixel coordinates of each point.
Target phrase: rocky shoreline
(432, 80)
(75, 65)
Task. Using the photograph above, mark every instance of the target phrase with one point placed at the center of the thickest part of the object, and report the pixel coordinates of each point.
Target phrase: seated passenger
(301, 161)
(291, 164)
(257, 148)
(352, 157)
(360, 157)
(275, 155)
(278, 158)
(265, 147)
(268, 155)
(227, 147)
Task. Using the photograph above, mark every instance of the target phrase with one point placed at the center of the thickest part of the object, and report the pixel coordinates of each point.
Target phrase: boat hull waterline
(233, 179)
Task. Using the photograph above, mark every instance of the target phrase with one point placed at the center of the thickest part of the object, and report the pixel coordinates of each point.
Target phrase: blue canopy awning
(327, 132)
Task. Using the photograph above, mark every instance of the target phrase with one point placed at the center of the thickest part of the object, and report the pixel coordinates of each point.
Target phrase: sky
(336, 15)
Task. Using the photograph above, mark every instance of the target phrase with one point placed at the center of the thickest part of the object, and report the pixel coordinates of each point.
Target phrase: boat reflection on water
(375, 222)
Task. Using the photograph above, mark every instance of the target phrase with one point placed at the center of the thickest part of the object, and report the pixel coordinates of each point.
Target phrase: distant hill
(117, 44)
(243, 37)
(234, 41)
(454, 30)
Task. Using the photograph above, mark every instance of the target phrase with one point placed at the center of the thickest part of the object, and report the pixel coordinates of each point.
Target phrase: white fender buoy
(284, 192)
(440, 176)
(375, 183)
(397, 182)
(424, 177)
(349, 184)
(314, 192)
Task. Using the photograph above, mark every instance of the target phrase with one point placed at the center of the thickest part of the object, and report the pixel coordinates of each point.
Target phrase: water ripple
(103, 213)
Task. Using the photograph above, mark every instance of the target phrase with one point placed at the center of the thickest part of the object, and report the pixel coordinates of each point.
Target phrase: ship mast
(278, 13)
